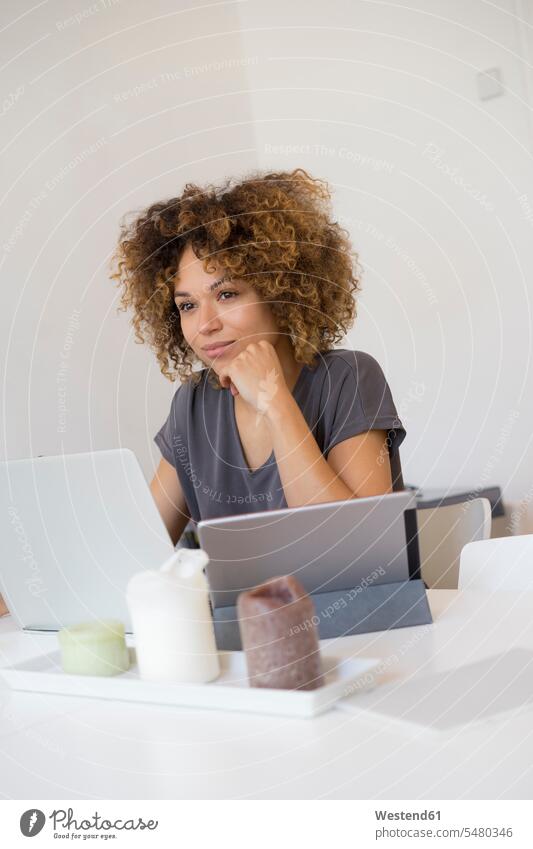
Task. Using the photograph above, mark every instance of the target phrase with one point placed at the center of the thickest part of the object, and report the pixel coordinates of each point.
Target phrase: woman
(257, 282)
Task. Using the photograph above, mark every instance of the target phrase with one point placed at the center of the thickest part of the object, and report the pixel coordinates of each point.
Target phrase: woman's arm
(358, 466)
(168, 495)
(363, 463)
(355, 467)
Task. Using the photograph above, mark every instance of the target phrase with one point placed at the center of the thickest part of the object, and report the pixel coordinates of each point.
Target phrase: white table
(60, 747)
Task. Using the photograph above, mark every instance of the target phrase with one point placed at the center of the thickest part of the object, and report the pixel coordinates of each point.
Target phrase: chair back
(443, 532)
(499, 564)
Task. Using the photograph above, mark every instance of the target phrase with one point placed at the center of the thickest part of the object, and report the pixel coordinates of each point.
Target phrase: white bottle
(172, 622)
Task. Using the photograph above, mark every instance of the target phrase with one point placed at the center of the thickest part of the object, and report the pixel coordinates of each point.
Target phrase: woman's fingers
(227, 383)
(224, 380)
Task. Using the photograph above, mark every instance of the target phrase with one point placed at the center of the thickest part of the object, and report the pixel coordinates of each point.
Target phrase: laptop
(75, 528)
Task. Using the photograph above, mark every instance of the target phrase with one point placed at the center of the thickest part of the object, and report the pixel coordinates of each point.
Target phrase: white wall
(380, 99)
(162, 98)
(377, 98)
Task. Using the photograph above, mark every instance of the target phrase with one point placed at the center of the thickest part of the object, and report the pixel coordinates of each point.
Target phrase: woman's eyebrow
(212, 286)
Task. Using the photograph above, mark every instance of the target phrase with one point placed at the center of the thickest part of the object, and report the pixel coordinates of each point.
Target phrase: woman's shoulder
(344, 361)
(191, 385)
(197, 387)
(358, 396)
(356, 377)
(182, 398)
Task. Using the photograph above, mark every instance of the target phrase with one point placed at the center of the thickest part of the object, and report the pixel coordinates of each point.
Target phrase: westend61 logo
(33, 820)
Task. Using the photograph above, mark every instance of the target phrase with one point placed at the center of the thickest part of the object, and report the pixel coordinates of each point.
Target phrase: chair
(442, 534)
(499, 564)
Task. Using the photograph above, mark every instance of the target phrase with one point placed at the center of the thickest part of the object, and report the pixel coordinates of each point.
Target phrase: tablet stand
(342, 613)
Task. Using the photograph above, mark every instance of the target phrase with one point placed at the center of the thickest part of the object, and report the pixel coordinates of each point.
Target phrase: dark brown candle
(279, 636)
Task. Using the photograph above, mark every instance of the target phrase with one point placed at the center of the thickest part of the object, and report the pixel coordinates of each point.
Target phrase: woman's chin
(218, 361)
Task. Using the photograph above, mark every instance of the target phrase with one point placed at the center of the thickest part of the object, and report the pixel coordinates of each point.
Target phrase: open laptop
(74, 529)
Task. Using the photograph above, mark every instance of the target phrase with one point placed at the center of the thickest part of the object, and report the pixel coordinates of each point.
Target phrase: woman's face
(214, 309)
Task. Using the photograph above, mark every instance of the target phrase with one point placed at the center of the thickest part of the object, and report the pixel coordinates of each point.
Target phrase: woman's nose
(208, 317)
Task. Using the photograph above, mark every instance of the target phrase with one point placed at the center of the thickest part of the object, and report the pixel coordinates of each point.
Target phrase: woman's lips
(220, 349)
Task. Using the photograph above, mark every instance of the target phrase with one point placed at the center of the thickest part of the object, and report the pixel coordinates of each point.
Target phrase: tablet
(332, 546)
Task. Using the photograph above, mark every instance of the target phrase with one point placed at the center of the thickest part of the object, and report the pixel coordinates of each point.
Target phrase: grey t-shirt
(344, 395)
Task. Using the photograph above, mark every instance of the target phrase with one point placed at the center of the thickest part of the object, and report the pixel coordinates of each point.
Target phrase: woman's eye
(182, 306)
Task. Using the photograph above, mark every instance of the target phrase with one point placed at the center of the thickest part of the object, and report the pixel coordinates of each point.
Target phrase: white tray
(230, 691)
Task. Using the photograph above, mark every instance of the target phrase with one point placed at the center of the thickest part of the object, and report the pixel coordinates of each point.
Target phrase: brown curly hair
(273, 230)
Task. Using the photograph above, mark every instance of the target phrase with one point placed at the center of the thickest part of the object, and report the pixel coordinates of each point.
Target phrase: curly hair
(273, 230)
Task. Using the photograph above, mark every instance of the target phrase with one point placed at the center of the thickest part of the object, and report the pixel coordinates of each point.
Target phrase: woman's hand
(255, 374)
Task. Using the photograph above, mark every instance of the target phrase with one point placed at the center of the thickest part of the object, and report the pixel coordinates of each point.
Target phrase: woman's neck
(291, 368)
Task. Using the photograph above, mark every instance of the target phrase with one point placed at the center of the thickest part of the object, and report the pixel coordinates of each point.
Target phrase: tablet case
(378, 607)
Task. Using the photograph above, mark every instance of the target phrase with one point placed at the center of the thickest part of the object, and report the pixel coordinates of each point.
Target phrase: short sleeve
(359, 400)
(167, 436)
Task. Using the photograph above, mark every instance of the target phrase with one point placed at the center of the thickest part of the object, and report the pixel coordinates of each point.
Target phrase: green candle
(94, 648)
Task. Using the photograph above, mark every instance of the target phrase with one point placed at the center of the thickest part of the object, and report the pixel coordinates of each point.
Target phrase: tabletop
(447, 717)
